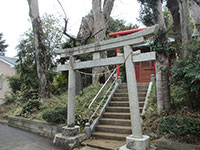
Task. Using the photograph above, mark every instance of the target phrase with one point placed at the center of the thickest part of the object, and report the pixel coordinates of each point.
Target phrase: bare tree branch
(68, 35)
(107, 8)
(62, 8)
(66, 22)
(197, 2)
(82, 40)
(90, 36)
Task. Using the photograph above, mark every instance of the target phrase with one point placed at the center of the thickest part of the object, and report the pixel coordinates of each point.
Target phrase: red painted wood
(144, 70)
(126, 32)
(118, 66)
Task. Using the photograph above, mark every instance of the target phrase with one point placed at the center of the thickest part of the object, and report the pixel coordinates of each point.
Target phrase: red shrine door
(144, 70)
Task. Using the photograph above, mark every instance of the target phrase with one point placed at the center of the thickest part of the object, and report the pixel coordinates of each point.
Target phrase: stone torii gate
(70, 134)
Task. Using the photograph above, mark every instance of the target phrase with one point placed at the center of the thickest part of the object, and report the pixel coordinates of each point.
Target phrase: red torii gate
(122, 33)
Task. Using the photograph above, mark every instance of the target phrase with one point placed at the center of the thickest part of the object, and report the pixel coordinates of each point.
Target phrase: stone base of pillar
(70, 131)
(133, 143)
(69, 138)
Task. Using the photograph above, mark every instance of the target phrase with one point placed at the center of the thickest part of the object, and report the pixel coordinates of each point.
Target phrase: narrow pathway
(16, 139)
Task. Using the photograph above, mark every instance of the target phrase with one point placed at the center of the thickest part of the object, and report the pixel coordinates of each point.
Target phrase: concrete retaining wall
(39, 127)
(164, 144)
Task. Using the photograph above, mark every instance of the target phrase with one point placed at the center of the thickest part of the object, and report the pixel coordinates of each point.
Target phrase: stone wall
(164, 144)
(39, 127)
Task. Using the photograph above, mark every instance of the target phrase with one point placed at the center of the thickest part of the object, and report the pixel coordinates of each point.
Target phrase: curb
(3, 122)
(41, 128)
(165, 144)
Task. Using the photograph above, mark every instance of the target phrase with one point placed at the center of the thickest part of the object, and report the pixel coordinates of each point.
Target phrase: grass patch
(54, 109)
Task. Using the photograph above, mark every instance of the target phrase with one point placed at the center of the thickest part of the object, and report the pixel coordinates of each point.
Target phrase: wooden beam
(132, 39)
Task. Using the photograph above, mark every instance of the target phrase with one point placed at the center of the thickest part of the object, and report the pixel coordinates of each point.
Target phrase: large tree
(3, 46)
(40, 49)
(195, 11)
(186, 30)
(86, 30)
(101, 18)
(173, 7)
(197, 2)
(184, 12)
(162, 76)
(26, 67)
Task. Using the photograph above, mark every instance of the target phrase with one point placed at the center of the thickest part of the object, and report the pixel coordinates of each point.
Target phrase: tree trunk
(101, 17)
(197, 2)
(173, 7)
(162, 78)
(162, 84)
(159, 19)
(39, 48)
(186, 30)
(195, 11)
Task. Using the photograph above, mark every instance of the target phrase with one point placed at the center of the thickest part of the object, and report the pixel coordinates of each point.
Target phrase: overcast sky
(14, 16)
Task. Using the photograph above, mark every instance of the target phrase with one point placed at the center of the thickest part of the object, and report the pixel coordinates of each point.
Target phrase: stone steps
(126, 90)
(113, 129)
(115, 123)
(102, 144)
(118, 109)
(140, 94)
(119, 104)
(123, 103)
(110, 136)
(116, 115)
(125, 98)
(139, 86)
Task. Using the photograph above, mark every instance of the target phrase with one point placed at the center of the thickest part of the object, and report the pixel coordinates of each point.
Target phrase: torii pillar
(136, 141)
(70, 135)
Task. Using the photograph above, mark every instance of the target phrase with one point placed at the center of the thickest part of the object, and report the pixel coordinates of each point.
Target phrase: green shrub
(30, 107)
(14, 83)
(56, 115)
(84, 100)
(9, 98)
(23, 95)
(19, 91)
(185, 75)
(59, 83)
(54, 110)
(179, 127)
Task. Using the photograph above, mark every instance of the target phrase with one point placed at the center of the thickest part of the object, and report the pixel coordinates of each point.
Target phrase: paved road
(15, 139)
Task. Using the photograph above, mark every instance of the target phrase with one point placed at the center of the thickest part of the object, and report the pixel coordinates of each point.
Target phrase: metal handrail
(148, 94)
(90, 117)
(94, 99)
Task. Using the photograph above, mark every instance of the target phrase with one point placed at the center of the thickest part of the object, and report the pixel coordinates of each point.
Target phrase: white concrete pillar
(132, 93)
(71, 95)
(95, 77)
(136, 141)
